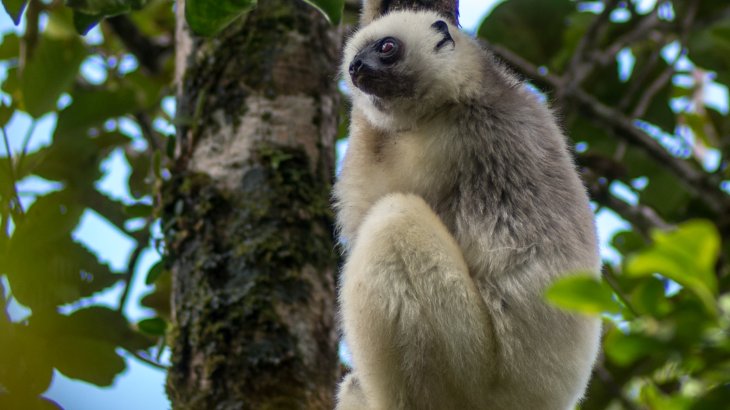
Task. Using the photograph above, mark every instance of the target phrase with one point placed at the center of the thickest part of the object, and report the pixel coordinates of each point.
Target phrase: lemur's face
(374, 70)
(389, 59)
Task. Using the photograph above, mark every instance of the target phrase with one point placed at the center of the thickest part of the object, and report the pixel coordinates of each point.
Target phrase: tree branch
(150, 362)
(645, 26)
(132, 266)
(704, 185)
(149, 54)
(641, 217)
(579, 68)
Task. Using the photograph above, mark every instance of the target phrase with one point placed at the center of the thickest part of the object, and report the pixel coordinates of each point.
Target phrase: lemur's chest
(407, 162)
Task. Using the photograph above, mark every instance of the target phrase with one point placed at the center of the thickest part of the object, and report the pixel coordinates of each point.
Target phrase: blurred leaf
(656, 399)
(11, 85)
(139, 210)
(209, 17)
(5, 113)
(83, 23)
(716, 398)
(154, 19)
(9, 46)
(67, 271)
(91, 107)
(61, 24)
(170, 146)
(90, 360)
(332, 9)
(649, 297)
(155, 326)
(15, 401)
(576, 25)
(98, 323)
(710, 49)
(148, 90)
(50, 72)
(159, 298)
(105, 7)
(155, 272)
(26, 370)
(699, 125)
(625, 349)
(582, 293)
(15, 8)
(628, 242)
(686, 255)
(531, 28)
(140, 183)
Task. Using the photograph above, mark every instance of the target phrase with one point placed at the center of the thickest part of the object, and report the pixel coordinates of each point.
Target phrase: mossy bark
(246, 214)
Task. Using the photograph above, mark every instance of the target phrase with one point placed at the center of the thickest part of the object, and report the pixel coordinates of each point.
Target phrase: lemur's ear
(372, 9)
(443, 28)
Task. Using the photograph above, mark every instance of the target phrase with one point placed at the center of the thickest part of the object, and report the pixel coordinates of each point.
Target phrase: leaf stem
(613, 283)
(11, 169)
(132, 267)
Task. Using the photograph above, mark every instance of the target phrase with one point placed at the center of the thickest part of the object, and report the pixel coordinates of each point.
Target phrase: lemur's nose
(355, 66)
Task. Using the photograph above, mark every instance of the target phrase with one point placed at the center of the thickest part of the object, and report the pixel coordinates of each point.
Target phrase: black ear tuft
(442, 28)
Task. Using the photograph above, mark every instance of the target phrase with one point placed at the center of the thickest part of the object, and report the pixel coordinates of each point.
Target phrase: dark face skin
(375, 69)
(378, 68)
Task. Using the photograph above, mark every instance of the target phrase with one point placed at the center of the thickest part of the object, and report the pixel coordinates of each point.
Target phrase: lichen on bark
(246, 215)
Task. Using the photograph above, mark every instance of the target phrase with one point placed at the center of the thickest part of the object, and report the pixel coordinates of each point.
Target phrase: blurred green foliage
(665, 300)
(50, 315)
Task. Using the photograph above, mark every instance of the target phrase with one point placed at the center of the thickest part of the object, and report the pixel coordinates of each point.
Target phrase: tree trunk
(246, 214)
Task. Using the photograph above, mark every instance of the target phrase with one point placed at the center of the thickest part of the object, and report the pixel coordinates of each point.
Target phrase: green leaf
(625, 349)
(83, 23)
(332, 9)
(699, 123)
(85, 342)
(139, 179)
(170, 146)
(139, 210)
(159, 298)
(67, 270)
(710, 49)
(532, 28)
(19, 401)
(104, 7)
(155, 272)
(582, 293)
(686, 255)
(209, 17)
(15, 8)
(154, 326)
(50, 72)
(9, 46)
(649, 297)
(628, 242)
(91, 108)
(26, 369)
(99, 323)
(90, 360)
(5, 113)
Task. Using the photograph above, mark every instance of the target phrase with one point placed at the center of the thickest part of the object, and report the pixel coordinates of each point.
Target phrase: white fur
(440, 307)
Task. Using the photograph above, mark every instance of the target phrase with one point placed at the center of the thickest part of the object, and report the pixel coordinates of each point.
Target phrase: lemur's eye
(389, 50)
(387, 46)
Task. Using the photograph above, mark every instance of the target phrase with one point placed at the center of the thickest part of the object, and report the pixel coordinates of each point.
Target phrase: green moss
(238, 256)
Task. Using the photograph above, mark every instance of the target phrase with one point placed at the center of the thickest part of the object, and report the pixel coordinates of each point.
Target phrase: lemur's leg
(418, 329)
